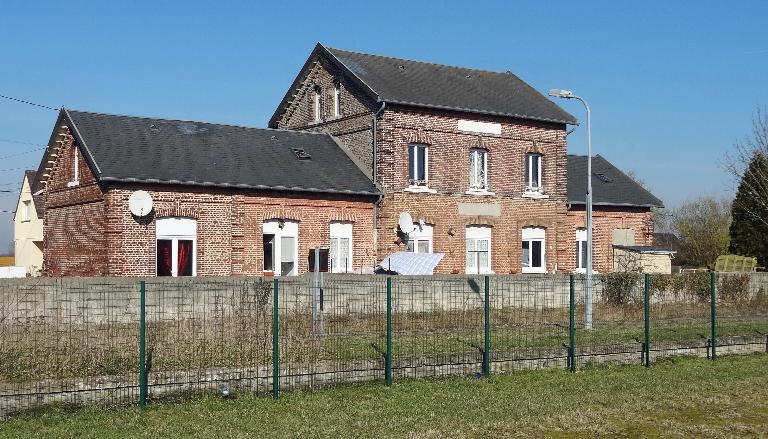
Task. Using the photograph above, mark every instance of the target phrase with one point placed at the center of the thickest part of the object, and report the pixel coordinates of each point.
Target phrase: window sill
(535, 195)
(584, 271)
(73, 183)
(537, 270)
(480, 192)
(481, 272)
(420, 189)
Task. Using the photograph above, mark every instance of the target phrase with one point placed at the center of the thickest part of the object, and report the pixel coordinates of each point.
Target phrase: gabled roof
(133, 149)
(38, 199)
(421, 84)
(610, 186)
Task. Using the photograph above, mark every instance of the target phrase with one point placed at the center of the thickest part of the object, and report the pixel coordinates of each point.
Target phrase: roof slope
(615, 188)
(139, 149)
(422, 84)
(39, 199)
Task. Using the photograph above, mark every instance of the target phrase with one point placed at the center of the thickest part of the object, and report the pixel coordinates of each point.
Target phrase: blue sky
(672, 85)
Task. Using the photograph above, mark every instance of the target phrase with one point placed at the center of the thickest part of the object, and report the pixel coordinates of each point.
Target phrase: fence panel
(332, 330)
(742, 312)
(529, 321)
(71, 341)
(615, 332)
(208, 334)
(680, 314)
(438, 325)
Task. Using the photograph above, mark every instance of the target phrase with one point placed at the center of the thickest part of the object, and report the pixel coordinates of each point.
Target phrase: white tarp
(407, 263)
(7, 272)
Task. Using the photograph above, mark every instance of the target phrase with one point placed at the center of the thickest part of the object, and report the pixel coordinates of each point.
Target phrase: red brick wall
(352, 127)
(605, 220)
(229, 228)
(449, 151)
(73, 228)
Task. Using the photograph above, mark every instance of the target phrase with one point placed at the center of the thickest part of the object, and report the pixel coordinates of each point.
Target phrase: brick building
(477, 158)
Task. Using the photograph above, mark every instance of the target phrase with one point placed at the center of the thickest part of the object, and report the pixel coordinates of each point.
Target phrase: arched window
(534, 249)
(341, 247)
(533, 173)
(336, 99)
(581, 250)
(176, 246)
(317, 108)
(281, 247)
(478, 243)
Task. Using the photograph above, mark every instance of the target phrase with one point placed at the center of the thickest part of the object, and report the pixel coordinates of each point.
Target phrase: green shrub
(619, 288)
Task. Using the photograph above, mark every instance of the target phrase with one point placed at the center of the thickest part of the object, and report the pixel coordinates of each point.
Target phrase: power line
(22, 153)
(27, 102)
(22, 143)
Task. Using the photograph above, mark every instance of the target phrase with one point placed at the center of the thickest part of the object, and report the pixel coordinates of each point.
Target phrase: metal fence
(107, 340)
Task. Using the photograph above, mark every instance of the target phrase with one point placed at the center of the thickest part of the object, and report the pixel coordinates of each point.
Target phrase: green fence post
(142, 346)
(647, 314)
(487, 319)
(388, 358)
(713, 312)
(275, 342)
(571, 327)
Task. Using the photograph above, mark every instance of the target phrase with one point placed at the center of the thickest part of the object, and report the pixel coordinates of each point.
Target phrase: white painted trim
(474, 126)
(420, 189)
(176, 229)
(479, 233)
(342, 230)
(289, 229)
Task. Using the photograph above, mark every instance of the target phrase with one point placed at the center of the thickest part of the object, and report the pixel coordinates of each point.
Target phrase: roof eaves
(475, 111)
(375, 192)
(608, 204)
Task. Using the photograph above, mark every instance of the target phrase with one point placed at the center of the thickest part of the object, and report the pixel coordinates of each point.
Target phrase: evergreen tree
(749, 228)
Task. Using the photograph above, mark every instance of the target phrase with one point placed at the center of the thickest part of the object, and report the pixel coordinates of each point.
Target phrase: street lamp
(567, 94)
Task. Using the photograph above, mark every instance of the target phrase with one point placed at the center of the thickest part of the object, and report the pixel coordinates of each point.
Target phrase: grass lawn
(681, 397)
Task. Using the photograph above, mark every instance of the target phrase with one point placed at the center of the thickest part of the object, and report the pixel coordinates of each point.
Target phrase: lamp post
(567, 94)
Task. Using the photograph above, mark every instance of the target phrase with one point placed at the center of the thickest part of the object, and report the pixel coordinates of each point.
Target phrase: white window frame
(288, 229)
(75, 168)
(177, 229)
(25, 210)
(533, 187)
(477, 234)
(581, 245)
(421, 233)
(474, 170)
(337, 99)
(413, 151)
(317, 107)
(341, 230)
(531, 235)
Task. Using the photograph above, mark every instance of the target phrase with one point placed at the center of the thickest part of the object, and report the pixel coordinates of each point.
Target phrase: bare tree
(737, 164)
(703, 228)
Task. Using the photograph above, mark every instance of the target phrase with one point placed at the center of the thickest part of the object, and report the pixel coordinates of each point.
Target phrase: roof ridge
(453, 66)
(195, 121)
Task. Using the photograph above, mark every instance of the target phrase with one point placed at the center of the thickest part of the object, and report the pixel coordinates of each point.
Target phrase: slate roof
(422, 84)
(610, 186)
(150, 150)
(38, 199)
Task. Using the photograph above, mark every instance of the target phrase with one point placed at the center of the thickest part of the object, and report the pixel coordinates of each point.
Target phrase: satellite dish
(140, 203)
(405, 222)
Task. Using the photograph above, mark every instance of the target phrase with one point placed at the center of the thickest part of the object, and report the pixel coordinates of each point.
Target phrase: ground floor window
(581, 249)
(341, 247)
(478, 243)
(533, 251)
(281, 246)
(176, 247)
(420, 239)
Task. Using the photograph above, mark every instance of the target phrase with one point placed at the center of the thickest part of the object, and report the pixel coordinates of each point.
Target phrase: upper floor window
(478, 243)
(176, 240)
(418, 167)
(337, 99)
(533, 172)
(420, 239)
(478, 169)
(533, 254)
(25, 209)
(316, 104)
(341, 247)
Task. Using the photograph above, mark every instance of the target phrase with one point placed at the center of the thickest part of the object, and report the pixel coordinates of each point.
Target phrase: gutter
(375, 128)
